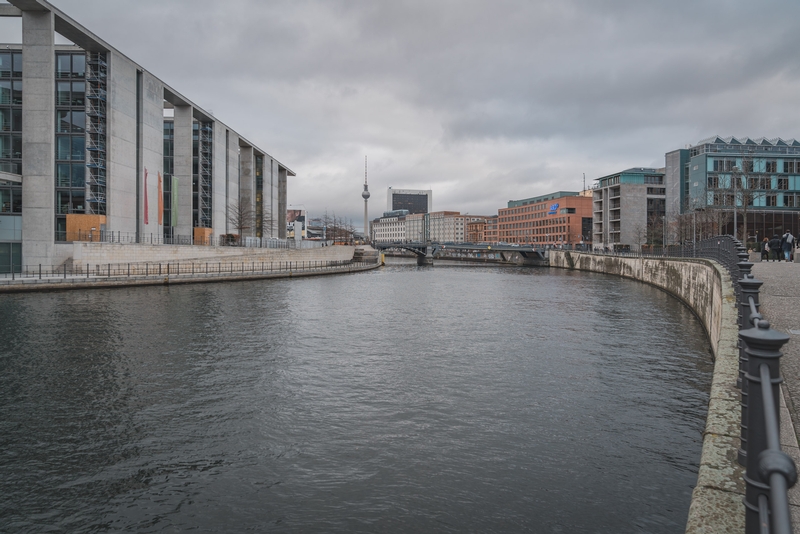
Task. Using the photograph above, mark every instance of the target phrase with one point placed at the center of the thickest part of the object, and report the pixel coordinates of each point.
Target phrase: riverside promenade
(254, 264)
(780, 305)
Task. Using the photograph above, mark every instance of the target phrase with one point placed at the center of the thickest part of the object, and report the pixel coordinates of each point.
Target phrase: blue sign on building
(553, 209)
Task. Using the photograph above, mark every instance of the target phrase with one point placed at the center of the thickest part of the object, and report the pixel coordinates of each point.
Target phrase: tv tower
(365, 196)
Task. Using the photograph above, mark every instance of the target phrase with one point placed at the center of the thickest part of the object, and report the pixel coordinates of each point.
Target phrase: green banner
(174, 202)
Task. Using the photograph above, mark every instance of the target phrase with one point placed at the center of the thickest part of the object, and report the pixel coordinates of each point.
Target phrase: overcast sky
(481, 101)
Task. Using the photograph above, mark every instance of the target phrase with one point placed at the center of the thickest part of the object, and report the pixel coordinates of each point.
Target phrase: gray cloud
(481, 101)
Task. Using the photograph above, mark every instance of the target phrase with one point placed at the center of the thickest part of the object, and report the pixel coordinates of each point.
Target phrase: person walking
(765, 249)
(775, 246)
(787, 243)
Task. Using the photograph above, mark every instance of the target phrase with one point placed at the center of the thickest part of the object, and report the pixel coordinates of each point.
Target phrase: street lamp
(733, 178)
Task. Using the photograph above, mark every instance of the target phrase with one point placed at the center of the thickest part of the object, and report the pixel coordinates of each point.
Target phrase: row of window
(757, 165)
(721, 198)
(505, 222)
(757, 183)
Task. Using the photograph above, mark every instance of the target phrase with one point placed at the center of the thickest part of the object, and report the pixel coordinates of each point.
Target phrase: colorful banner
(146, 220)
(174, 203)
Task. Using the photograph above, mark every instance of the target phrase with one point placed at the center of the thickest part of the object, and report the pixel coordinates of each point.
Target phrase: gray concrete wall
(152, 149)
(121, 145)
(104, 253)
(219, 223)
(233, 178)
(633, 215)
(270, 197)
(282, 203)
(38, 134)
(183, 120)
(706, 288)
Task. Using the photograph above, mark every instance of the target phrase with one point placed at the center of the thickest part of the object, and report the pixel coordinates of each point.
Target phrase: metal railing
(191, 268)
(769, 472)
(107, 236)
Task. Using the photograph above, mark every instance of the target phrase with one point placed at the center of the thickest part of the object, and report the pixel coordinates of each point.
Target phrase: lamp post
(733, 177)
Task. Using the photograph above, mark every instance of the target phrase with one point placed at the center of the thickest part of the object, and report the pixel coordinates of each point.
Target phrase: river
(406, 399)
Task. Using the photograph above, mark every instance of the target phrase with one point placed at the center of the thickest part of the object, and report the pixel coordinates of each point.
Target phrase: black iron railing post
(749, 311)
(763, 349)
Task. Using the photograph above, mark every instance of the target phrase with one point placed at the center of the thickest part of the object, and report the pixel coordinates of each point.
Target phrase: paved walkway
(780, 305)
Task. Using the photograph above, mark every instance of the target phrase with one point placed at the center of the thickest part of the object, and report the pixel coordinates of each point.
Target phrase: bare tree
(240, 217)
(640, 235)
(749, 183)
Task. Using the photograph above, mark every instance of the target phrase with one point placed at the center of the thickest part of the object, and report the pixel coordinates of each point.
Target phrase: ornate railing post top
(764, 339)
(749, 283)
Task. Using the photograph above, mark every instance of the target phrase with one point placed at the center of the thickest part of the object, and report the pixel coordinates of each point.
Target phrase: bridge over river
(426, 252)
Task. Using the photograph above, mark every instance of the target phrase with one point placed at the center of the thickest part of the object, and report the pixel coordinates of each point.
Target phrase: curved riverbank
(161, 269)
(706, 288)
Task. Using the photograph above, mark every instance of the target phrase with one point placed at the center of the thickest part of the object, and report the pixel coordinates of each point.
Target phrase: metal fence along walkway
(174, 272)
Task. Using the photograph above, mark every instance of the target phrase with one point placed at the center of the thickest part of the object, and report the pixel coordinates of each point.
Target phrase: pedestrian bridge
(426, 252)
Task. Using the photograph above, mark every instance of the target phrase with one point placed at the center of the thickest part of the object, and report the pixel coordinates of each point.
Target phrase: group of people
(782, 248)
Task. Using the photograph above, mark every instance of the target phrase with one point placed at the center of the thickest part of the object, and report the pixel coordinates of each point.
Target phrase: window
(788, 167)
(771, 166)
(772, 200)
(783, 184)
(5, 65)
(63, 66)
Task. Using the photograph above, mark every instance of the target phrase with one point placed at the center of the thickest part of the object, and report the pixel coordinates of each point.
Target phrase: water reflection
(434, 399)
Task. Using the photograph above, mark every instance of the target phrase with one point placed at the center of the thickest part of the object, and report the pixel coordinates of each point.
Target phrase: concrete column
(233, 180)
(38, 133)
(219, 187)
(247, 183)
(281, 203)
(183, 168)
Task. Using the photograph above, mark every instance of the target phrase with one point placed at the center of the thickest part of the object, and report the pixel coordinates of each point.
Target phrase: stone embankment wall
(706, 288)
(104, 253)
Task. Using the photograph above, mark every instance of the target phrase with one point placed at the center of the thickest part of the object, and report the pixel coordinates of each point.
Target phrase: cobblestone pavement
(780, 305)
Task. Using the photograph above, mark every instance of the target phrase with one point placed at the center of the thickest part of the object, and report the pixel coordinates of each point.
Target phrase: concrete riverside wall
(105, 253)
(706, 288)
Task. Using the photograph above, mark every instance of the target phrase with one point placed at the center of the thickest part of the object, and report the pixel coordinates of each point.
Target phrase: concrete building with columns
(93, 144)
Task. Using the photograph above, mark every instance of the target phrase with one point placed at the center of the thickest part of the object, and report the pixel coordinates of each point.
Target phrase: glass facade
(259, 196)
(169, 171)
(70, 138)
(11, 111)
(411, 202)
(10, 160)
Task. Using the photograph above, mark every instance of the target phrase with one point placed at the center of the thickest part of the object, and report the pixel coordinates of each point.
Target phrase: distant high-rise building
(413, 200)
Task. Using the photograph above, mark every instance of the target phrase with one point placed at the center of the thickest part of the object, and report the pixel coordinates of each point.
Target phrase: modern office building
(561, 218)
(439, 227)
(413, 200)
(93, 143)
(629, 209)
(761, 177)
(391, 228)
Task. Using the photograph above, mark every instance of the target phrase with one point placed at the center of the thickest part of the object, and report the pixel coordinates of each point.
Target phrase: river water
(407, 399)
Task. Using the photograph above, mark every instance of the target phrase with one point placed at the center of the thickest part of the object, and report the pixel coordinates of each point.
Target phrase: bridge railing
(769, 472)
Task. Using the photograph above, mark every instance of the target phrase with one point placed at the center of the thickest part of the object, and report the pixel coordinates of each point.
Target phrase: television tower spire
(365, 196)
